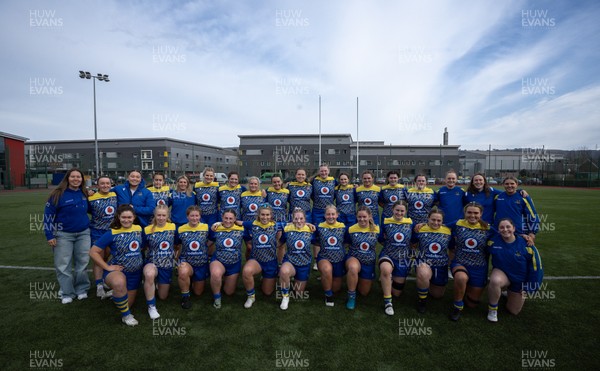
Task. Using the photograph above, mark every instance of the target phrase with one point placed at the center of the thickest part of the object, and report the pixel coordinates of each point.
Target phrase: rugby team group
(135, 234)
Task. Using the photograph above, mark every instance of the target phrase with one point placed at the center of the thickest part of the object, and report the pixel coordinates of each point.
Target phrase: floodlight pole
(101, 77)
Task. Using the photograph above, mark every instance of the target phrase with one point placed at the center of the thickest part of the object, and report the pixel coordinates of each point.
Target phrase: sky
(508, 74)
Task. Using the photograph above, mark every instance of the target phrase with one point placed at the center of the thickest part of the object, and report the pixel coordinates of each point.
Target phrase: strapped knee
(397, 285)
(461, 270)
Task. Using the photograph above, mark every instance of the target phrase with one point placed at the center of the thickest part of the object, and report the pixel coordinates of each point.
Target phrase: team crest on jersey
(194, 245)
(277, 203)
(263, 238)
(332, 241)
(435, 247)
(471, 243)
(419, 205)
(230, 200)
(228, 242)
(364, 246)
(134, 246)
(368, 201)
(109, 210)
(346, 197)
(253, 207)
(161, 202)
(300, 193)
(325, 190)
(399, 237)
(393, 198)
(164, 245)
(206, 197)
(299, 245)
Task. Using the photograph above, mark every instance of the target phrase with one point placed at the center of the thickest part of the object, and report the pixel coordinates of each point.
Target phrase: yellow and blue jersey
(331, 238)
(300, 196)
(160, 195)
(228, 244)
(363, 242)
(249, 202)
(298, 242)
(450, 201)
(470, 243)
(388, 196)
(264, 240)
(278, 199)
(420, 203)
(102, 207)
(207, 196)
(521, 263)
(125, 247)
(433, 245)
(193, 240)
(160, 242)
(323, 192)
(396, 236)
(230, 198)
(345, 199)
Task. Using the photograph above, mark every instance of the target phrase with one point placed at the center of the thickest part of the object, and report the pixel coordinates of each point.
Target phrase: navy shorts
(302, 271)
(477, 275)
(400, 269)
(230, 269)
(269, 269)
(338, 269)
(133, 279)
(439, 275)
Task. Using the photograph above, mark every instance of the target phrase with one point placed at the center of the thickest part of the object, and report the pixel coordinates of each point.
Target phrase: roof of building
(13, 136)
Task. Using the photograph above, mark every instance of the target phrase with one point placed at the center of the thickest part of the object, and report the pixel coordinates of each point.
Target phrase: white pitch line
(549, 278)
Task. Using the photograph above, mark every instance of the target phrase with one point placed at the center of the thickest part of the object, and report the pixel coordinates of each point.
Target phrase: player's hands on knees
(112, 268)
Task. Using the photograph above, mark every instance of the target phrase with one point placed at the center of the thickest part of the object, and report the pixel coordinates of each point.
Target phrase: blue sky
(509, 73)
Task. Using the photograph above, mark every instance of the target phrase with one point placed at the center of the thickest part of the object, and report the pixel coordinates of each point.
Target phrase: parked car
(266, 177)
(380, 180)
(405, 180)
(430, 180)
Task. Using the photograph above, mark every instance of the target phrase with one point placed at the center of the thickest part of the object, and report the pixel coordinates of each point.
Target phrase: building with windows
(118, 156)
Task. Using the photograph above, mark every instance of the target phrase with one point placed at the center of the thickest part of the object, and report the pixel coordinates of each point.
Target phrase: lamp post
(100, 77)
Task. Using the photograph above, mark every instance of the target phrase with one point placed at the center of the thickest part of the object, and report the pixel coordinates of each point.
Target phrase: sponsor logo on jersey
(205, 197)
(368, 201)
(299, 245)
(300, 193)
(435, 247)
(393, 198)
(332, 241)
(419, 205)
(364, 246)
(263, 238)
(109, 210)
(471, 243)
(398, 237)
(325, 190)
(194, 245)
(164, 245)
(230, 200)
(253, 207)
(161, 202)
(277, 202)
(346, 197)
(134, 246)
(228, 242)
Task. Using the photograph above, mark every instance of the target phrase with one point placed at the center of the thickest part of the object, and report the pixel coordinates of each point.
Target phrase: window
(147, 165)
(254, 152)
(332, 151)
(146, 154)
(187, 156)
(111, 165)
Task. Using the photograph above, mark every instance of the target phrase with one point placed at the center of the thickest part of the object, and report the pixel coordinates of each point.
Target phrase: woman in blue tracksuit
(66, 225)
(181, 198)
(134, 193)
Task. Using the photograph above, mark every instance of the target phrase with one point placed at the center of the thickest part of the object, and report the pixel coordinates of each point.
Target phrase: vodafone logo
(435, 247)
(230, 200)
(194, 245)
(205, 197)
(253, 207)
(325, 190)
(263, 238)
(393, 198)
(346, 197)
(134, 246)
(332, 241)
(277, 203)
(300, 193)
(471, 243)
(368, 201)
(164, 245)
(299, 245)
(419, 205)
(228, 242)
(109, 210)
(398, 237)
(160, 202)
(364, 246)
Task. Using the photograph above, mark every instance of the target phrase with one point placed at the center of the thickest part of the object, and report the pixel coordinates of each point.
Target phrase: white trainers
(82, 296)
(492, 315)
(129, 320)
(285, 301)
(152, 312)
(66, 300)
(217, 303)
(249, 302)
(315, 268)
(389, 309)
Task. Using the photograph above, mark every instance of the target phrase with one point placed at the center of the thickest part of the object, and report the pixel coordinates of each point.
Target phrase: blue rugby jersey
(300, 196)
(519, 209)
(125, 247)
(396, 236)
(451, 203)
(520, 263)
(161, 245)
(363, 243)
(264, 240)
(230, 198)
(179, 202)
(193, 240)
(433, 245)
(369, 197)
(331, 238)
(207, 196)
(228, 244)
(298, 242)
(388, 196)
(249, 203)
(102, 207)
(278, 199)
(486, 201)
(160, 195)
(470, 243)
(345, 199)
(420, 203)
(323, 192)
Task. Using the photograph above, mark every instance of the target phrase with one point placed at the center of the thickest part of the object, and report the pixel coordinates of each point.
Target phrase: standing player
(479, 191)
(230, 193)
(250, 200)
(330, 236)
(66, 226)
(420, 200)
(368, 195)
(102, 205)
(450, 199)
(323, 195)
(207, 196)
(135, 193)
(227, 260)
(395, 256)
(193, 256)
(360, 261)
(160, 191)
(432, 261)
(513, 205)
(181, 198)
(345, 200)
(264, 235)
(296, 263)
(516, 266)
(390, 194)
(470, 263)
(159, 238)
(277, 197)
(123, 273)
(300, 194)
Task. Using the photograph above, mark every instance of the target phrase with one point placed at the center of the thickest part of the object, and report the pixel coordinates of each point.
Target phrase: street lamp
(100, 77)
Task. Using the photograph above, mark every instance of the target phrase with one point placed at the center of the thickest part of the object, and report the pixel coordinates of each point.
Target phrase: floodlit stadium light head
(88, 75)
(82, 74)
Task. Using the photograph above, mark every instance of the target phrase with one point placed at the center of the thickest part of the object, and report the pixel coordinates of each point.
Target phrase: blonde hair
(154, 222)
